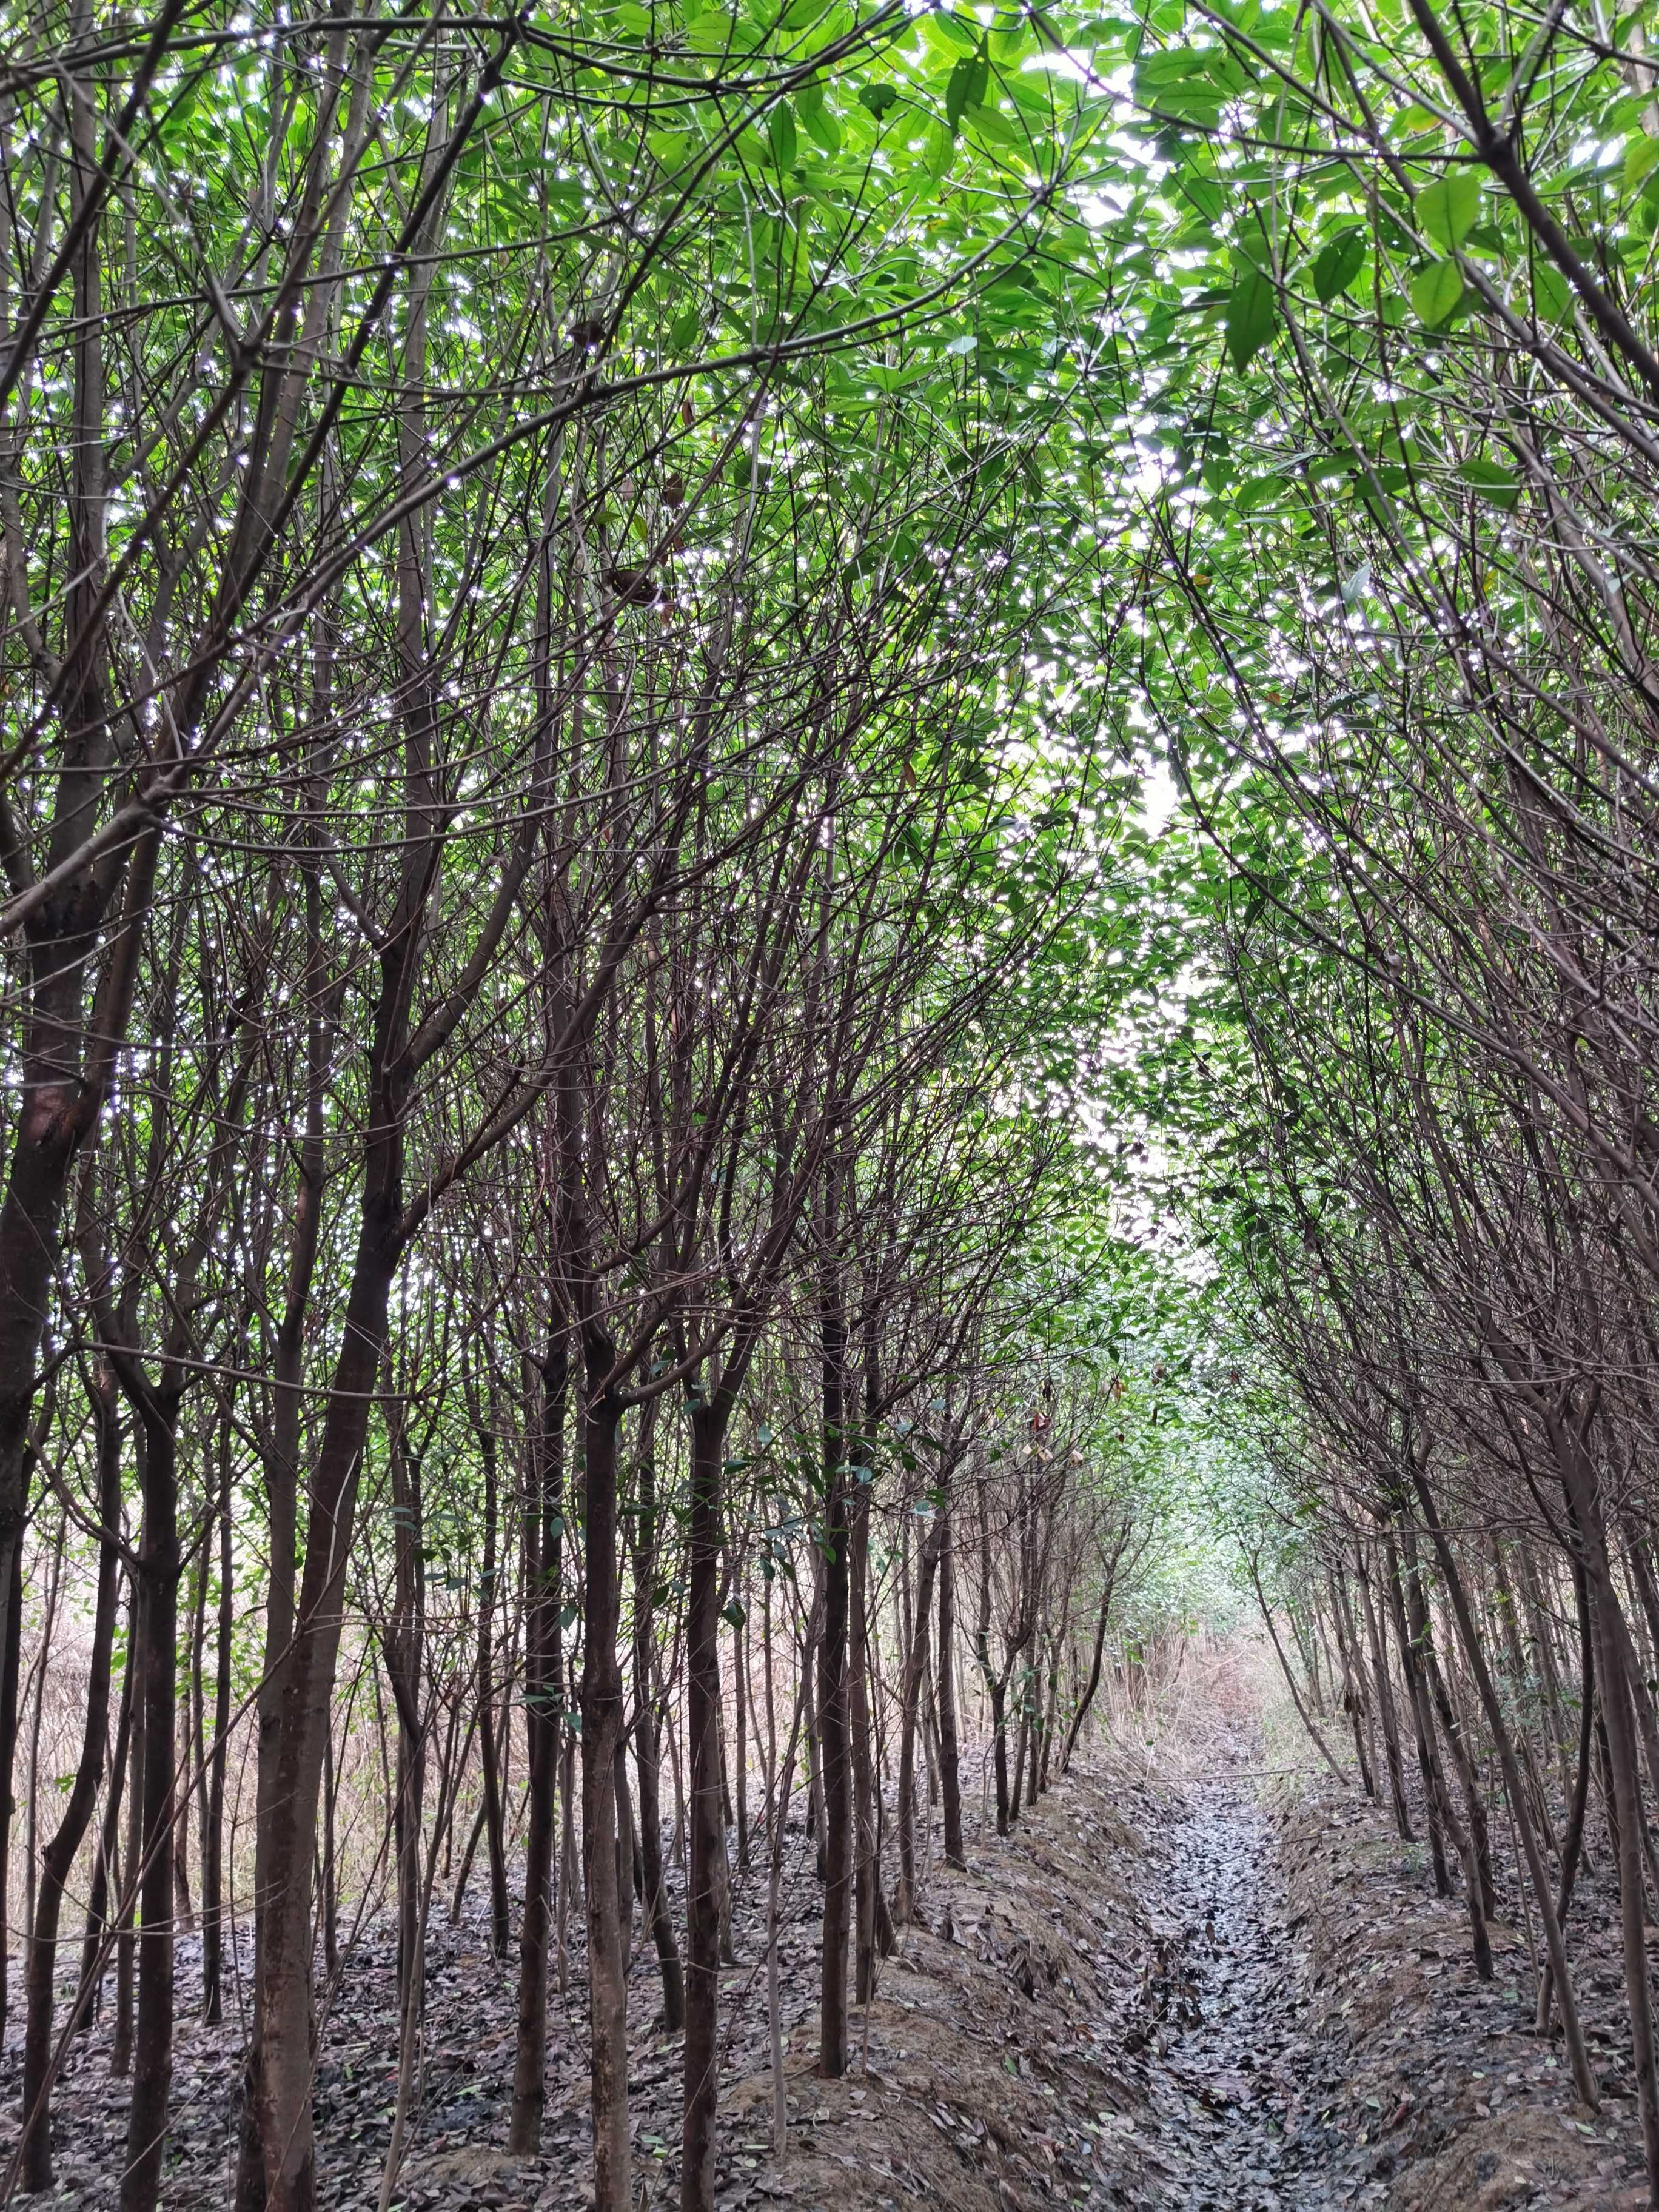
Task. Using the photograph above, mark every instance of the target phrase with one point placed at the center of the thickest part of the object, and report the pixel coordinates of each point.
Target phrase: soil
(1178, 1989)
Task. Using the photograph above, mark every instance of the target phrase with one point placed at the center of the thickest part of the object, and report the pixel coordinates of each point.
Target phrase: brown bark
(905, 1905)
(58, 1854)
(601, 1738)
(1480, 1847)
(1572, 1838)
(866, 1870)
(1422, 1724)
(834, 1752)
(92, 1942)
(120, 2056)
(543, 1726)
(158, 1622)
(1577, 2053)
(218, 1756)
(490, 1759)
(709, 1425)
(647, 1742)
(950, 1757)
(1387, 1716)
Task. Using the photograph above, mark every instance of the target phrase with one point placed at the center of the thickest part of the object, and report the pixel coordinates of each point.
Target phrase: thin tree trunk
(774, 1902)
(1387, 1716)
(950, 1757)
(1577, 2053)
(646, 1735)
(1093, 1684)
(832, 1683)
(905, 1906)
(109, 1833)
(1478, 1864)
(543, 1728)
(602, 1737)
(1572, 1840)
(42, 1663)
(59, 1855)
(708, 1425)
(213, 1906)
(120, 2057)
(500, 1929)
(1422, 1724)
(152, 2075)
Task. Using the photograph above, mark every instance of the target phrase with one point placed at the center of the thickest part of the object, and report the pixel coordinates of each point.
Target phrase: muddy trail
(1309, 2029)
(1237, 2071)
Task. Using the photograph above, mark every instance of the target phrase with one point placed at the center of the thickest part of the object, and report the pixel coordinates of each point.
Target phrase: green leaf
(780, 136)
(1011, 36)
(967, 85)
(953, 29)
(672, 149)
(1641, 159)
(1252, 317)
(1338, 264)
(1552, 298)
(1437, 293)
(878, 98)
(956, 91)
(1494, 483)
(822, 127)
(1447, 211)
(685, 329)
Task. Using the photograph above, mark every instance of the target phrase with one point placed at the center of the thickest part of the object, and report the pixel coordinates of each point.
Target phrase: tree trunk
(741, 1720)
(1093, 1684)
(602, 1737)
(59, 1855)
(950, 1757)
(543, 1703)
(109, 1833)
(866, 1873)
(1422, 1725)
(152, 2073)
(1479, 1841)
(1577, 2053)
(1387, 1715)
(120, 2057)
(213, 1905)
(832, 1695)
(284, 2044)
(647, 1742)
(905, 1906)
(490, 1759)
(1573, 1839)
(702, 1689)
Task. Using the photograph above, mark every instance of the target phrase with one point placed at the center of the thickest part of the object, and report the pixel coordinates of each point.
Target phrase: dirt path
(1232, 2062)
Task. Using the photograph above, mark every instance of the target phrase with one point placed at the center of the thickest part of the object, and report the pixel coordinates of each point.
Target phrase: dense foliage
(845, 810)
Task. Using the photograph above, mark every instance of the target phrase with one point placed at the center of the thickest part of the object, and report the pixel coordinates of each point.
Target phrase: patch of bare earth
(1447, 2097)
(992, 2075)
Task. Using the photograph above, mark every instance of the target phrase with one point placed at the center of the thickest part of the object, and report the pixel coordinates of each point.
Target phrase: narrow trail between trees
(1225, 1990)
(1232, 2062)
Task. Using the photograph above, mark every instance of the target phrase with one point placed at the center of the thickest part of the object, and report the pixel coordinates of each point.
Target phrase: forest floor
(1171, 1987)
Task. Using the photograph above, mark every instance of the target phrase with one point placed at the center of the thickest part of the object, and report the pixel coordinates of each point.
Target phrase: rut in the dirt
(1234, 2062)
